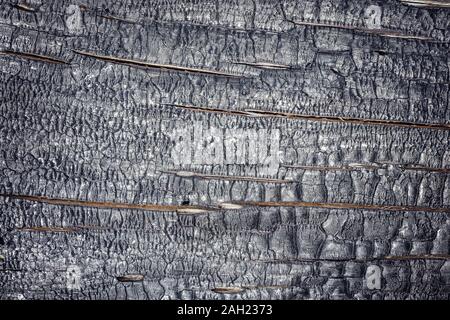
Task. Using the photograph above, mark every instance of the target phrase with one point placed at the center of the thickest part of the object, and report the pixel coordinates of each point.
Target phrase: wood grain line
(263, 65)
(186, 209)
(108, 17)
(112, 205)
(385, 258)
(143, 64)
(368, 166)
(23, 7)
(262, 113)
(379, 32)
(33, 56)
(427, 3)
(338, 205)
(189, 174)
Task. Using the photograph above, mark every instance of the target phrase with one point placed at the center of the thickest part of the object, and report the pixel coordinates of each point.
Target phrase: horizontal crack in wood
(112, 205)
(379, 32)
(385, 258)
(33, 56)
(199, 210)
(242, 288)
(261, 113)
(351, 120)
(188, 174)
(338, 205)
(427, 3)
(62, 229)
(49, 229)
(368, 166)
(24, 7)
(228, 290)
(131, 278)
(419, 257)
(264, 65)
(230, 206)
(118, 19)
(143, 64)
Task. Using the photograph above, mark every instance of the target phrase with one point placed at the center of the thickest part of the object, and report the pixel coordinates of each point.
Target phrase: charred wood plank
(239, 150)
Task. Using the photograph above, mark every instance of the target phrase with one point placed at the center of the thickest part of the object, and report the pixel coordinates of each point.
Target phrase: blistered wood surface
(224, 149)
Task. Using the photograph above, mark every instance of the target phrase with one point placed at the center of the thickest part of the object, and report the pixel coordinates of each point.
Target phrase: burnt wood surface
(224, 149)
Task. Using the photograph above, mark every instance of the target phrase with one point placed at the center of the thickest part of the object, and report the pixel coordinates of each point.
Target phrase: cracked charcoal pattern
(283, 149)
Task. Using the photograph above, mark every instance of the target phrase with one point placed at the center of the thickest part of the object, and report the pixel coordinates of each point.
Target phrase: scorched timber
(224, 150)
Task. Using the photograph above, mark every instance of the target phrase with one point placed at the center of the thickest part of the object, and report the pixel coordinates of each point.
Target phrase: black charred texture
(223, 149)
